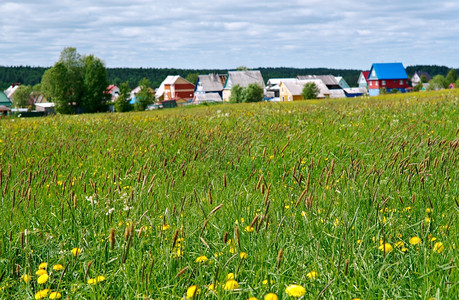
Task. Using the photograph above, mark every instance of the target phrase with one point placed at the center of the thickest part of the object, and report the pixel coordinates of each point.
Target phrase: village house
(273, 87)
(212, 83)
(342, 83)
(363, 79)
(334, 89)
(292, 89)
(175, 87)
(114, 92)
(387, 76)
(242, 78)
(416, 78)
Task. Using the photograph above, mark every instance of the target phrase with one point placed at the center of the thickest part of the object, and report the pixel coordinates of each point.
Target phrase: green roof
(4, 100)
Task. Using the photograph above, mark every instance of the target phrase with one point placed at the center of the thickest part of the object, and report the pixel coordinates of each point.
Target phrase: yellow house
(292, 89)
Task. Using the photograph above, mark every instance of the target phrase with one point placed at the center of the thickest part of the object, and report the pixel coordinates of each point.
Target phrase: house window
(371, 83)
(373, 73)
(289, 98)
(383, 82)
(401, 82)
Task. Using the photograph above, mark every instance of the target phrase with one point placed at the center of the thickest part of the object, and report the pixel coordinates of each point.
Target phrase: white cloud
(225, 34)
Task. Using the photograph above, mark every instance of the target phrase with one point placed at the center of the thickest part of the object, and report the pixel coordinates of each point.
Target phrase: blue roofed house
(387, 76)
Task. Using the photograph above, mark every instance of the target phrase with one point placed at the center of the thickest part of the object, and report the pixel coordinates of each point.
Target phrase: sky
(225, 34)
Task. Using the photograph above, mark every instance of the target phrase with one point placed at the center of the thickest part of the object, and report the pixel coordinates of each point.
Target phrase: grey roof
(244, 78)
(210, 83)
(296, 86)
(420, 73)
(328, 80)
(207, 97)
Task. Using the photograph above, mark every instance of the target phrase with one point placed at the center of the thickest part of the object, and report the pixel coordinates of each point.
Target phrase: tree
(418, 87)
(145, 97)
(310, 91)
(242, 68)
(192, 77)
(254, 93)
(95, 85)
(424, 79)
(76, 82)
(56, 87)
(74, 64)
(122, 102)
(237, 94)
(21, 98)
(438, 82)
(456, 84)
(451, 77)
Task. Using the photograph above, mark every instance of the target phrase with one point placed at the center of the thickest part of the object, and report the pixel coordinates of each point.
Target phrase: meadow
(329, 199)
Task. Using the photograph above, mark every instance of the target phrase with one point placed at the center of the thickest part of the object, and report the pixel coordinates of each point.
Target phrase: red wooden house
(174, 87)
(388, 76)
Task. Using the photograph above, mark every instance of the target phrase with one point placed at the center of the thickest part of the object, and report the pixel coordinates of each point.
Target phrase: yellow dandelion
(271, 296)
(76, 251)
(386, 247)
(43, 279)
(404, 249)
(295, 290)
(58, 267)
(415, 240)
(211, 287)
(252, 298)
(249, 229)
(231, 285)
(243, 255)
(55, 295)
(201, 259)
(359, 242)
(230, 276)
(427, 220)
(165, 227)
(399, 244)
(438, 247)
(304, 214)
(41, 294)
(429, 210)
(192, 291)
(265, 282)
(43, 265)
(312, 275)
(26, 278)
(41, 272)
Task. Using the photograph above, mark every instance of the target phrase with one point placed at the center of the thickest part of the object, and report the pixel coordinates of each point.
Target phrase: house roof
(11, 90)
(111, 87)
(4, 108)
(207, 97)
(244, 78)
(45, 105)
(4, 98)
(383, 71)
(328, 80)
(296, 86)
(420, 73)
(210, 83)
(365, 75)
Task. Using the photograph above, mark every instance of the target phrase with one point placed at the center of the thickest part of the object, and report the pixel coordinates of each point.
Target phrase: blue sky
(229, 33)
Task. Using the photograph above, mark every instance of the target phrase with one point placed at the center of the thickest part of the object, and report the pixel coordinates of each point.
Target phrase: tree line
(28, 75)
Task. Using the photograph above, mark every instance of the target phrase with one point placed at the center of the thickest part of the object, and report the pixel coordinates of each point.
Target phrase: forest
(29, 75)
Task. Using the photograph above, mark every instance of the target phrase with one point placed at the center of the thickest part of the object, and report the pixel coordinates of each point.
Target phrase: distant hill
(32, 75)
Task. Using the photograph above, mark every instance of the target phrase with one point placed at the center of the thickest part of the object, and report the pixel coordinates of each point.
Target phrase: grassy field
(344, 199)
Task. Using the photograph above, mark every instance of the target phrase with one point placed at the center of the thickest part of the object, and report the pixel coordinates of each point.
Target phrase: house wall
(286, 96)
(226, 94)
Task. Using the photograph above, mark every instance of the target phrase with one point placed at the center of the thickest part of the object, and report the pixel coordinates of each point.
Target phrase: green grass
(322, 183)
